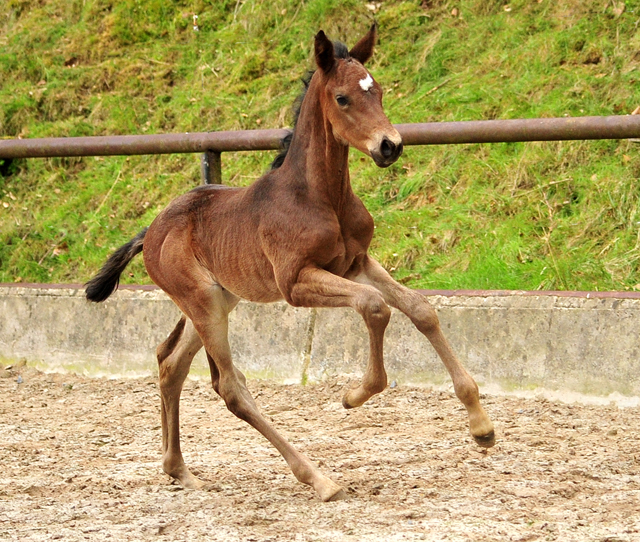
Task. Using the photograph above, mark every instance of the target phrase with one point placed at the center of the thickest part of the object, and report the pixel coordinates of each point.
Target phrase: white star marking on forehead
(366, 83)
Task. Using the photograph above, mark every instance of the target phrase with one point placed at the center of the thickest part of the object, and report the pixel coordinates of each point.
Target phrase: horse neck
(315, 157)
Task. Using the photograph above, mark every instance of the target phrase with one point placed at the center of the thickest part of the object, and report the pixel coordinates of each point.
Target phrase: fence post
(211, 167)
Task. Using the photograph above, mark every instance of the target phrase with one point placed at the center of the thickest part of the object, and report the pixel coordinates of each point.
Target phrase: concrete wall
(586, 343)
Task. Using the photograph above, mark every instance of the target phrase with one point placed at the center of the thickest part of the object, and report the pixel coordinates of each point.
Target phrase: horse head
(352, 99)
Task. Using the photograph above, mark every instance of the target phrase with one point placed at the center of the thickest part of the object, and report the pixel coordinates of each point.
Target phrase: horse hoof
(328, 490)
(345, 403)
(354, 398)
(486, 441)
(339, 496)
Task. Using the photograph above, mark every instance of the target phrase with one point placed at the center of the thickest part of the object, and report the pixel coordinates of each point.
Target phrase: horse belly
(249, 276)
(251, 290)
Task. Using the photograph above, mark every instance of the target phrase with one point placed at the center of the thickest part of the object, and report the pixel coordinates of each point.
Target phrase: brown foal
(298, 233)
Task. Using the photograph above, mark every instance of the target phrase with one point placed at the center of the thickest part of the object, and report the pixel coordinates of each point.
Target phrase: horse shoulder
(357, 223)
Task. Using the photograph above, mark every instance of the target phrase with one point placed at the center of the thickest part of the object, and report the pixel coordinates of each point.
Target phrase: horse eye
(342, 100)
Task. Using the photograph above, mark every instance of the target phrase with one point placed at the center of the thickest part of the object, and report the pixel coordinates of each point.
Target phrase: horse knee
(424, 317)
(374, 310)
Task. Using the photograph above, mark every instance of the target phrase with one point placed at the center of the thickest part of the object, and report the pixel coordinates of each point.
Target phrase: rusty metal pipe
(249, 140)
(432, 133)
(496, 131)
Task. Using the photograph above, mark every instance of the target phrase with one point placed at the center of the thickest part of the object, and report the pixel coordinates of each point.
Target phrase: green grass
(530, 216)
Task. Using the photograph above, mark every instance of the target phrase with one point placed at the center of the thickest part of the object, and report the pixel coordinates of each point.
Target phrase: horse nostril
(387, 148)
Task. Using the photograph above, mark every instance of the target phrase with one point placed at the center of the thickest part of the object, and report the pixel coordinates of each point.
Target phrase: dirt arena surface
(80, 460)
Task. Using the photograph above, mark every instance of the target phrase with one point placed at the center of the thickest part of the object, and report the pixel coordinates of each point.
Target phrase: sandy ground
(80, 460)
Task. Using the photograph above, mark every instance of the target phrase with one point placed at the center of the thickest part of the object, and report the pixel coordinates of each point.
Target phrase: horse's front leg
(319, 288)
(424, 317)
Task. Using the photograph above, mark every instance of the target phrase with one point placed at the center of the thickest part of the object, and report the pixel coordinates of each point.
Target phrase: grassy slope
(518, 216)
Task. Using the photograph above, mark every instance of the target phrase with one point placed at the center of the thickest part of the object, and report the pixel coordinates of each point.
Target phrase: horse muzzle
(387, 152)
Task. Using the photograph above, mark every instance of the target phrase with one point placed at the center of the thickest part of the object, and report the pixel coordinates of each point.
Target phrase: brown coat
(299, 233)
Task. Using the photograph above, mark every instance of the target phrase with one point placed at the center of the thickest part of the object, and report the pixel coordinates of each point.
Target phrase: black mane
(340, 51)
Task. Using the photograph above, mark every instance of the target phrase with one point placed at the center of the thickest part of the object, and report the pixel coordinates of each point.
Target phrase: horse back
(208, 235)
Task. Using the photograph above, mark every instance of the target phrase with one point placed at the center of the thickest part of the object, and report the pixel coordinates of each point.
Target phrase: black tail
(106, 281)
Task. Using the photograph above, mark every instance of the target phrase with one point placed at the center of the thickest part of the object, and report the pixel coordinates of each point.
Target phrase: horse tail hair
(106, 281)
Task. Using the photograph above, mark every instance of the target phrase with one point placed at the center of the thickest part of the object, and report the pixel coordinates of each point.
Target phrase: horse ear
(325, 56)
(363, 50)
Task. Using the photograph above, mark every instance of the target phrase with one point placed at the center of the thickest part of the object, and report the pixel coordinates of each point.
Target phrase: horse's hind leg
(424, 317)
(209, 312)
(175, 355)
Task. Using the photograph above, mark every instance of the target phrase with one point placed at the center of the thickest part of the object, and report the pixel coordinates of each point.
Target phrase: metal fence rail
(249, 140)
(431, 133)
(509, 131)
